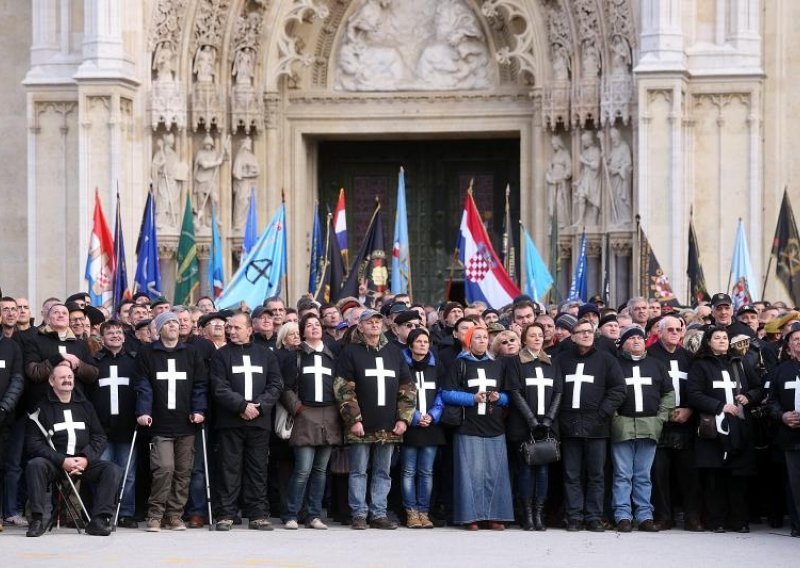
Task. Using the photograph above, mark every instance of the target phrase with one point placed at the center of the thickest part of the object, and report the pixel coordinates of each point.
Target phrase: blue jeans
(380, 483)
(632, 462)
(532, 482)
(310, 468)
(117, 452)
(417, 464)
(14, 494)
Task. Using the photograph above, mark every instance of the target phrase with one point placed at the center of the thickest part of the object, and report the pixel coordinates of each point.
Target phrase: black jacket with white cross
(113, 395)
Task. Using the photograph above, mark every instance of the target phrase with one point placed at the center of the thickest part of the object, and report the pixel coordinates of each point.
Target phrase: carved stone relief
(413, 45)
(588, 187)
(556, 96)
(618, 84)
(586, 98)
(168, 173)
(245, 173)
(559, 187)
(206, 178)
(505, 12)
(620, 178)
(246, 108)
(167, 101)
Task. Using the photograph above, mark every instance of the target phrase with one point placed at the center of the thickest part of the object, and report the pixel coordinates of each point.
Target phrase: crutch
(125, 477)
(208, 483)
(73, 514)
(48, 436)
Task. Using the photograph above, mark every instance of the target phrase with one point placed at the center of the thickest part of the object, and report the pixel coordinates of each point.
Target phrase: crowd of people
(381, 411)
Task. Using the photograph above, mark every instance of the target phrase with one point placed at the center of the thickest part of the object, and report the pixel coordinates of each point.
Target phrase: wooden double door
(437, 174)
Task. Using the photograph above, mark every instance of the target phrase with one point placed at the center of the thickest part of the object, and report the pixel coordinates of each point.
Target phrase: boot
(538, 520)
(412, 519)
(527, 523)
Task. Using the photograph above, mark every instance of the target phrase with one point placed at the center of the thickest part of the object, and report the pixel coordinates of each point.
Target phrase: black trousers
(242, 460)
(725, 498)
(674, 469)
(584, 477)
(104, 477)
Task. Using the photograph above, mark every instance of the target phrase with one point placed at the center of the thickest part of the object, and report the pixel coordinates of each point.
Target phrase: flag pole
(324, 267)
(638, 244)
(453, 260)
(286, 272)
(730, 274)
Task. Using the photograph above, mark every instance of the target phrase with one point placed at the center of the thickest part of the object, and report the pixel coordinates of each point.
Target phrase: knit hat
(630, 331)
(163, 318)
(588, 309)
(449, 307)
(566, 321)
(608, 318)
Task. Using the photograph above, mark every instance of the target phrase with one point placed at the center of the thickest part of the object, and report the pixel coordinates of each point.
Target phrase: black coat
(676, 436)
(118, 425)
(782, 399)
(527, 407)
(11, 380)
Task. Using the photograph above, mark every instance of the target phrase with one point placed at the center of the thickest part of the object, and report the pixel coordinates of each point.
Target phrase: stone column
(167, 251)
(45, 31)
(564, 267)
(662, 36)
(203, 256)
(594, 251)
(102, 38)
(622, 270)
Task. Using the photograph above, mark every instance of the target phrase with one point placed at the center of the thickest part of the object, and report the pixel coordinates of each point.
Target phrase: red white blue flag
(100, 261)
(485, 279)
(340, 227)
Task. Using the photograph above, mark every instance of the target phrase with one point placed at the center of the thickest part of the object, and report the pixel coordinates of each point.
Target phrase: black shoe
(573, 526)
(127, 523)
(527, 522)
(383, 523)
(595, 526)
(795, 532)
(744, 529)
(719, 530)
(648, 526)
(99, 526)
(538, 517)
(359, 524)
(35, 528)
(624, 526)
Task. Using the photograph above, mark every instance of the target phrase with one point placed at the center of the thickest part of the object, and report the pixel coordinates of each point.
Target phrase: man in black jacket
(171, 388)
(11, 386)
(593, 390)
(78, 442)
(114, 400)
(245, 382)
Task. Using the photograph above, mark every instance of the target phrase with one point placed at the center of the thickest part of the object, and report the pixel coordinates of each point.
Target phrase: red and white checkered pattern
(477, 267)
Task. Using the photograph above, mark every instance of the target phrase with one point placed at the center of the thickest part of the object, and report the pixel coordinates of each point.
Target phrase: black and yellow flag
(786, 248)
(694, 270)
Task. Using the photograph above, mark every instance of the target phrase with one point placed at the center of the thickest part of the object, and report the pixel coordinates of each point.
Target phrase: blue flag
(741, 271)
(260, 273)
(216, 270)
(577, 290)
(120, 266)
(317, 253)
(537, 278)
(148, 276)
(251, 228)
(401, 258)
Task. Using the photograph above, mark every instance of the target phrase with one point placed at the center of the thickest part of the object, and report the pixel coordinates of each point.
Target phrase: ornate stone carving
(413, 45)
(556, 96)
(167, 102)
(245, 171)
(621, 248)
(558, 176)
(588, 186)
(586, 98)
(167, 22)
(507, 11)
(271, 103)
(620, 178)
(618, 87)
(167, 174)
(209, 24)
(246, 108)
(206, 103)
(594, 249)
(289, 47)
(205, 190)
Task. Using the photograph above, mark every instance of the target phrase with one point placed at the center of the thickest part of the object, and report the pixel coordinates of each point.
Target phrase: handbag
(540, 452)
(707, 427)
(452, 415)
(284, 422)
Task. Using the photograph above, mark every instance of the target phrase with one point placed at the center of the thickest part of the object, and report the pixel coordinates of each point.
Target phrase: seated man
(78, 441)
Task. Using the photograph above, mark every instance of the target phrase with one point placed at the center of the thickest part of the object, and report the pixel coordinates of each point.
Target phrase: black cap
(795, 327)
(73, 307)
(204, 320)
(141, 324)
(597, 299)
(96, 317)
(747, 309)
(407, 316)
(632, 330)
(157, 301)
(588, 309)
(719, 299)
(608, 318)
(79, 296)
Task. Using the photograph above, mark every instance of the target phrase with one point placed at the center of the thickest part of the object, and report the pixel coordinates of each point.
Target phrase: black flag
(694, 270)
(331, 268)
(786, 248)
(370, 262)
(654, 283)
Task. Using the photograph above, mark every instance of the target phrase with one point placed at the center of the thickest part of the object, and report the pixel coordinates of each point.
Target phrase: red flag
(100, 261)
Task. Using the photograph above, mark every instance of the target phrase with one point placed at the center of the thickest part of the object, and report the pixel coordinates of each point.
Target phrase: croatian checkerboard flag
(100, 262)
(485, 278)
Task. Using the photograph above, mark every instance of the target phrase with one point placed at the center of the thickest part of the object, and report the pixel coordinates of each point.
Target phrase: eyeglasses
(79, 321)
(673, 329)
(507, 341)
(412, 325)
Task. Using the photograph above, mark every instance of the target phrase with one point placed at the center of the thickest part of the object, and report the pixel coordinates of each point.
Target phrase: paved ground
(434, 548)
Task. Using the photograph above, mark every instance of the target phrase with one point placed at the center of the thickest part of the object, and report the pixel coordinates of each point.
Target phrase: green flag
(188, 279)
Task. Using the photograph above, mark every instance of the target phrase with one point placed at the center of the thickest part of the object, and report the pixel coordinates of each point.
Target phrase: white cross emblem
(541, 383)
(113, 381)
(637, 381)
(727, 384)
(2, 364)
(677, 376)
(422, 386)
(319, 372)
(381, 374)
(71, 428)
(795, 385)
(248, 371)
(62, 349)
(482, 382)
(577, 379)
(172, 375)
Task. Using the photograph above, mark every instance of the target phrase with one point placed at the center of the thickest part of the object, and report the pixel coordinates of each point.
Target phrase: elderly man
(639, 311)
(78, 442)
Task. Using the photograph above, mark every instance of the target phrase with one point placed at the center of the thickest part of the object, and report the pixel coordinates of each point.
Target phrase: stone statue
(206, 181)
(167, 173)
(558, 174)
(163, 63)
(620, 168)
(245, 172)
(620, 56)
(244, 66)
(590, 59)
(560, 62)
(586, 200)
(205, 64)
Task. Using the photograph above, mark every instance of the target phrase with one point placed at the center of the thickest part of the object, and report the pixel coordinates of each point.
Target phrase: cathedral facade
(624, 114)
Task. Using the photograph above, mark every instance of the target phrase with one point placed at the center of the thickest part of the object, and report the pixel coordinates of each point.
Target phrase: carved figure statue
(560, 62)
(206, 181)
(245, 171)
(590, 59)
(167, 173)
(586, 200)
(205, 64)
(163, 63)
(557, 176)
(620, 167)
(620, 56)
(244, 66)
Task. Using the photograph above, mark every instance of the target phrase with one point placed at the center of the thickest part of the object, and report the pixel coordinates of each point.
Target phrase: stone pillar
(594, 250)
(744, 29)
(622, 270)
(102, 39)
(167, 251)
(662, 36)
(564, 267)
(203, 256)
(45, 31)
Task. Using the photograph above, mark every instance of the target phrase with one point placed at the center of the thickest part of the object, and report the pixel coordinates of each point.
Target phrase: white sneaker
(290, 525)
(315, 523)
(17, 520)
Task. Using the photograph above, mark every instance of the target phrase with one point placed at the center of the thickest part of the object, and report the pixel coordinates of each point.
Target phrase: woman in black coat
(724, 388)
